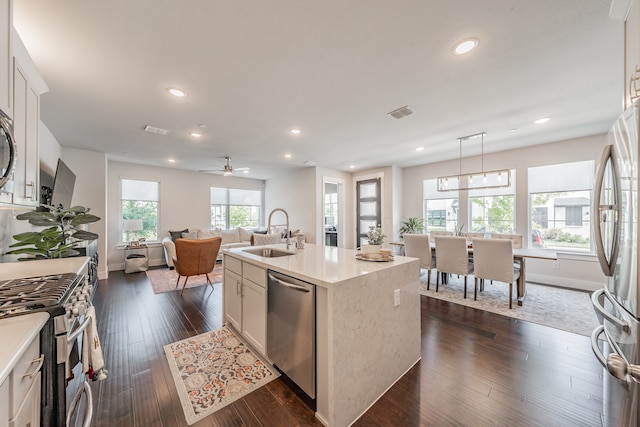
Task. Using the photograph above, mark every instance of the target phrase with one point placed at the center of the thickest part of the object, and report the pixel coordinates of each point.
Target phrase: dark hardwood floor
(477, 368)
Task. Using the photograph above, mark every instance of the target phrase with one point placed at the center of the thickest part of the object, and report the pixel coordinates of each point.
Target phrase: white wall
(575, 271)
(184, 203)
(296, 193)
(49, 149)
(90, 191)
(346, 232)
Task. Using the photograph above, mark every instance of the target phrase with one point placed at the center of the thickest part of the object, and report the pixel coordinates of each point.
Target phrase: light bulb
(499, 176)
(470, 179)
(484, 178)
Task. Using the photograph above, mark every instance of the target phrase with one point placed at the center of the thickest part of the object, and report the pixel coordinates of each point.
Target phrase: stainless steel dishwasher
(291, 329)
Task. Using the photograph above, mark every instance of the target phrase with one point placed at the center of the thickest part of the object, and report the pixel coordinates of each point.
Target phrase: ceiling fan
(227, 169)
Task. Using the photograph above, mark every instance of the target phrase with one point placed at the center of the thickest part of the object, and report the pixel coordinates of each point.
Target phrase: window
(440, 208)
(231, 208)
(493, 209)
(561, 208)
(331, 209)
(140, 206)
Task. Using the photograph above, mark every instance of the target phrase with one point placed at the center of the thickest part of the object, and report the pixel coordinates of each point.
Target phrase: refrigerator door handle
(607, 265)
(595, 335)
(616, 363)
(595, 300)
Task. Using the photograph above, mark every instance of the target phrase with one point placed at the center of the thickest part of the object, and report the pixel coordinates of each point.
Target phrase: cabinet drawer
(28, 413)
(256, 274)
(19, 383)
(233, 264)
(4, 403)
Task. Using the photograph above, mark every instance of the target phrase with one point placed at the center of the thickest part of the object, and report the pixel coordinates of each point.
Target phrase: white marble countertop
(17, 333)
(20, 269)
(320, 265)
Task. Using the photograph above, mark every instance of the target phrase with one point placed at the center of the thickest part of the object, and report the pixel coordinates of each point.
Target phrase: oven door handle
(72, 335)
(88, 414)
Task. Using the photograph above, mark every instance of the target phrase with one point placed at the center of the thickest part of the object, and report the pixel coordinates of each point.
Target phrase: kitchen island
(367, 320)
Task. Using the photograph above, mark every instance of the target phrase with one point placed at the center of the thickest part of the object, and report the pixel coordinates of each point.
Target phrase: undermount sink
(268, 252)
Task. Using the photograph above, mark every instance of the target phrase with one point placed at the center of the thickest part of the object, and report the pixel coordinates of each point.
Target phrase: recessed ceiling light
(177, 92)
(288, 156)
(513, 130)
(542, 120)
(246, 171)
(352, 166)
(419, 148)
(295, 131)
(465, 46)
(171, 160)
(195, 134)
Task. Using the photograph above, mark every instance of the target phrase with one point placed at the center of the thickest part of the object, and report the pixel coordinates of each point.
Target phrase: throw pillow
(177, 234)
(245, 235)
(230, 236)
(208, 234)
(191, 236)
(266, 239)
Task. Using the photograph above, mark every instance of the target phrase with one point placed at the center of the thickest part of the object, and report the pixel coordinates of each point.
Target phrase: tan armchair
(195, 257)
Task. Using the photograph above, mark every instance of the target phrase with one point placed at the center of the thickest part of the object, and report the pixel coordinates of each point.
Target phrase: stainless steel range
(65, 297)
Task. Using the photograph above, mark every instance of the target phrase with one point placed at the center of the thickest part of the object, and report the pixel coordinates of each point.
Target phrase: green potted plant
(375, 239)
(61, 235)
(413, 225)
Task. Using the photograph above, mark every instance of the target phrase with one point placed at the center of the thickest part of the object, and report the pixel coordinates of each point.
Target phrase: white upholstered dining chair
(418, 246)
(493, 260)
(452, 257)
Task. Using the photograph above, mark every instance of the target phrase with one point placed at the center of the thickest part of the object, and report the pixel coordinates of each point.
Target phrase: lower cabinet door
(254, 326)
(29, 412)
(232, 288)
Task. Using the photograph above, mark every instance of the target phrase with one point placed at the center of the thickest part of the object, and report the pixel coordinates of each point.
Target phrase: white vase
(370, 249)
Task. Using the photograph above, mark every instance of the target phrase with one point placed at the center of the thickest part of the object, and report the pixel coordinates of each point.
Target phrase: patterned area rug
(214, 369)
(558, 308)
(164, 279)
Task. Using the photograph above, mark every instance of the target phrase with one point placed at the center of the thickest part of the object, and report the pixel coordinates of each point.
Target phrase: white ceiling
(253, 70)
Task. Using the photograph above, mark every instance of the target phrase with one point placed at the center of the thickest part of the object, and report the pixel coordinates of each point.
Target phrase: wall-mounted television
(63, 184)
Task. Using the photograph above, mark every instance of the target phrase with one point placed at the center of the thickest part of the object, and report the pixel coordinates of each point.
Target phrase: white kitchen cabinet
(233, 299)
(4, 404)
(245, 301)
(6, 57)
(632, 53)
(26, 118)
(28, 414)
(254, 307)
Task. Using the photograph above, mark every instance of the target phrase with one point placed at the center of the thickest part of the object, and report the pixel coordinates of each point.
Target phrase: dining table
(520, 255)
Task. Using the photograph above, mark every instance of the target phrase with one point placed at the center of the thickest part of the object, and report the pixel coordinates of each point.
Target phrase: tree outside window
(493, 214)
(140, 201)
(232, 208)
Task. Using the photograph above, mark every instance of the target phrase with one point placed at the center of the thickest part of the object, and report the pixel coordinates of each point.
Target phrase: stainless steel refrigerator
(616, 341)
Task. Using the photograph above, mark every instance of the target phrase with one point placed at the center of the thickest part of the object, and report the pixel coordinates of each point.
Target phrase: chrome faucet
(287, 224)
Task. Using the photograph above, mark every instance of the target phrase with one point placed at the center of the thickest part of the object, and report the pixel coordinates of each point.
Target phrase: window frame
(226, 207)
(579, 179)
(121, 231)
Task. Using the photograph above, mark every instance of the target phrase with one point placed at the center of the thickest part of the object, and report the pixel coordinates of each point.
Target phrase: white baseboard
(565, 282)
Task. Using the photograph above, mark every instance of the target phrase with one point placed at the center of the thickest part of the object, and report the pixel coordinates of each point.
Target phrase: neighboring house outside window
(140, 207)
(440, 208)
(231, 208)
(560, 209)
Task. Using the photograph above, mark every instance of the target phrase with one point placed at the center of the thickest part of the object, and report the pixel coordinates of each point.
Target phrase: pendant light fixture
(475, 180)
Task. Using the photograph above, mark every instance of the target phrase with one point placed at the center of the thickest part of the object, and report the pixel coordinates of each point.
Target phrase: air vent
(401, 112)
(154, 129)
